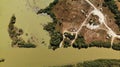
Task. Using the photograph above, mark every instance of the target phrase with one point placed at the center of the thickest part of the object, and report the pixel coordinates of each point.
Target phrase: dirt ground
(72, 13)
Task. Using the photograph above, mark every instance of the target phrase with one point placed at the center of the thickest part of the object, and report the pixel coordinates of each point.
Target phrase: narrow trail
(81, 27)
(102, 20)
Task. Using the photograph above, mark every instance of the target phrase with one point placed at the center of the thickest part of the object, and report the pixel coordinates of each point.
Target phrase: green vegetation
(26, 45)
(116, 46)
(22, 44)
(114, 9)
(100, 44)
(56, 36)
(15, 34)
(50, 27)
(55, 40)
(102, 63)
(95, 63)
(79, 43)
(68, 35)
(48, 10)
(66, 43)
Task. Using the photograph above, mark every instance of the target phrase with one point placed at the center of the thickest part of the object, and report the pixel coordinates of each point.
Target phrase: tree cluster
(116, 46)
(95, 63)
(68, 35)
(48, 10)
(15, 34)
(80, 43)
(100, 44)
(114, 9)
(56, 38)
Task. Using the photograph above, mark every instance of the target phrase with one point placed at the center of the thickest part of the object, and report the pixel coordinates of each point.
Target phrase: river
(40, 56)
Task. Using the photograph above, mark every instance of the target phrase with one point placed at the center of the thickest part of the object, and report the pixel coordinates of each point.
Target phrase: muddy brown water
(41, 56)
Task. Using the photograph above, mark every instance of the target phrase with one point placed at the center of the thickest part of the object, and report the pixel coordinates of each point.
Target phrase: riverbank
(95, 63)
(40, 56)
(65, 26)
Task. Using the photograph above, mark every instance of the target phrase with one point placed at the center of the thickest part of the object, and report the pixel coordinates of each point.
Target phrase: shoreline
(98, 44)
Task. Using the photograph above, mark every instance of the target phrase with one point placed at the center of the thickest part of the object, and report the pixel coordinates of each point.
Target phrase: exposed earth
(87, 18)
(21, 27)
(77, 23)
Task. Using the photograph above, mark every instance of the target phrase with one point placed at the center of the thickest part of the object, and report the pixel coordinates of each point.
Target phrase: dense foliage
(15, 33)
(66, 43)
(56, 36)
(114, 9)
(48, 10)
(79, 43)
(100, 44)
(68, 35)
(50, 27)
(116, 46)
(95, 63)
(55, 40)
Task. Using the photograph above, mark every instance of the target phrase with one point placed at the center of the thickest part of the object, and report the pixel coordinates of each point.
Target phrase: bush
(79, 43)
(22, 44)
(68, 66)
(56, 38)
(93, 44)
(68, 35)
(102, 63)
(100, 44)
(106, 44)
(67, 43)
(95, 63)
(50, 27)
(116, 46)
(114, 9)
(48, 10)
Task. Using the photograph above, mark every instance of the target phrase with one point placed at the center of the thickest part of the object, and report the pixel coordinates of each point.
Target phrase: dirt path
(81, 27)
(102, 20)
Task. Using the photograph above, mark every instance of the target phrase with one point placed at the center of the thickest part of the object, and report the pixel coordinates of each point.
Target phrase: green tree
(56, 38)
(116, 46)
(79, 43)
(68, 35)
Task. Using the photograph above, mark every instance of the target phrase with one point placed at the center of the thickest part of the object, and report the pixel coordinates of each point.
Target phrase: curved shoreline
(95, 11)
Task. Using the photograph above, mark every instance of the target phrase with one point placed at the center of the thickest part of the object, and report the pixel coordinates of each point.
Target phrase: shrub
(116, 46)
(79, 43)
(50, 27)
(114, 9)
(100, 44)
(56, 38)
(68, 35)
(67, 43)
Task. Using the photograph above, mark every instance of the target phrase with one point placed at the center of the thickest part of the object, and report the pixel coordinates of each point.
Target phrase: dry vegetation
(68, 17)
(70, 14)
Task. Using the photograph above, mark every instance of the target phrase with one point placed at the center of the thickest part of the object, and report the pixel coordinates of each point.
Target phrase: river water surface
(32, 24)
